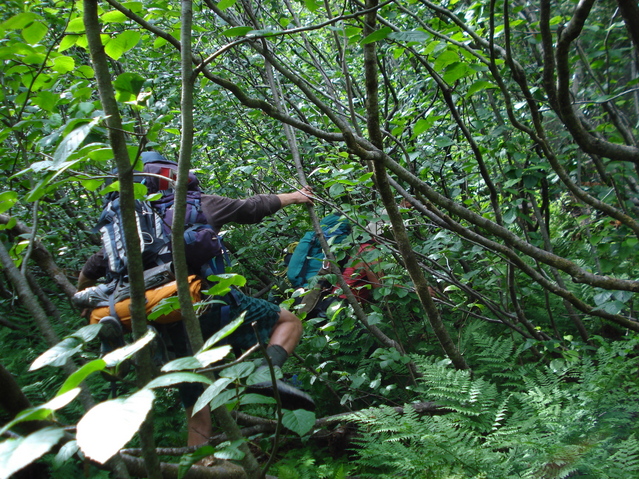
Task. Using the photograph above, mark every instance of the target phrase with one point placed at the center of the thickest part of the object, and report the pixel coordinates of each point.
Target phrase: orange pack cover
(153, 298)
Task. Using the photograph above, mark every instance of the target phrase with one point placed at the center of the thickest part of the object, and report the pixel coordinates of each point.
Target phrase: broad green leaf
(213, 355)
(122, 43)
(611, 307)
(92, 185)
(224, 332)
(129, 82)
(211, 393)
(262, 375)
(76, 26)
(34, 32)
(42, 411)
(114, 186)
(135, 7)
(61, 400)
(67, 42)
(7, 200)
(623, 296)
(18, 453)
(223, 398)
(65, 453)
(264, 32)
(375, 318)
(229, 451)
(172, 379)
(398, 52)
(159, 42)
(223, 283)
(71, 142)
(166, 305)
(224, 4)
(312, 5)
(443, 142)
(410, 36)
(446, 58)
(116, 357)
(377, 35)
(478, 86)
(257, 399)
(19, 21)
(81, 374)
(87, 333)
(365, 178)
(510, 216)
(114, 16)
(601, 298)
(187, 460)
(46, 100)
(63, 64)
(101, 154)
(456, 71)
(299, 421)
(421, 126)
(35, 83)
(181, 364)
(237, 31)
(82, 41)
(58, 354)
(351, 31)
(10, 225)
(107, 427)
(238, 371)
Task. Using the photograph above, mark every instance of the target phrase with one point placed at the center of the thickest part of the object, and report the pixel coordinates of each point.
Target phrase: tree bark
(224, 470)
(42, 257)
(135, 269)
(383, 186)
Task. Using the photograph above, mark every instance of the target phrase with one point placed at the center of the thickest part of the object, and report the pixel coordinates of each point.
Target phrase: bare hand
(296, 197)
(306, 193)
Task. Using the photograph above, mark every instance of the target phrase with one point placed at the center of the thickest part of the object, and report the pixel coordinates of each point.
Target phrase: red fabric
(356, 278)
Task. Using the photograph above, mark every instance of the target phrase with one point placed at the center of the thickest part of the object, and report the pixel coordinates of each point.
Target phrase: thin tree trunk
(221, 414)
(127, 201)
(42, 257)
(399, 231)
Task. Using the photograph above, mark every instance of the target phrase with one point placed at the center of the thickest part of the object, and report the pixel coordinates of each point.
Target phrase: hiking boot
(291, 397)
(111, 335)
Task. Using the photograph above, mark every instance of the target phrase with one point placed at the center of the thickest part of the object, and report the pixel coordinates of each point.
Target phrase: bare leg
(287, 331)
(199, 426)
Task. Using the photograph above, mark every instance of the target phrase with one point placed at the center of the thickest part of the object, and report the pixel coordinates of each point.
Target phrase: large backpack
(308, 256)
(204, 249)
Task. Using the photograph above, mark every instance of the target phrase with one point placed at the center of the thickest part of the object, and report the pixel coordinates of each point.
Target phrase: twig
(276, 393)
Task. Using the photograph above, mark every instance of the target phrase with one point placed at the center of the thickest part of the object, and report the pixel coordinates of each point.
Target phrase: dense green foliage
(511, 131)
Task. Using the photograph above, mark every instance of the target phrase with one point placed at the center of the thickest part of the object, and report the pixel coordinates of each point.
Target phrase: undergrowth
(506, 420)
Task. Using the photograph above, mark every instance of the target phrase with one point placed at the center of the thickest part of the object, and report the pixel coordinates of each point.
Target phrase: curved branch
(587, 142)
(42, 257)
(630, 13)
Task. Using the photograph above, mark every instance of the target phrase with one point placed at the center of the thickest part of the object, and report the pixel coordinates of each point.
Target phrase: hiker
(281, 328)
(356, 269)
(358, 274)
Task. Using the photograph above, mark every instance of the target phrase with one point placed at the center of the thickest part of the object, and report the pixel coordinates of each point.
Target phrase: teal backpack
(308, 257)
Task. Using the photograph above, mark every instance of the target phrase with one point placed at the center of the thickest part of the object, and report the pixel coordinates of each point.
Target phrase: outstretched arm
(296, 197)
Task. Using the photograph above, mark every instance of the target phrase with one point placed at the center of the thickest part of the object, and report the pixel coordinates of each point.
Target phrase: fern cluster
(578, 420)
